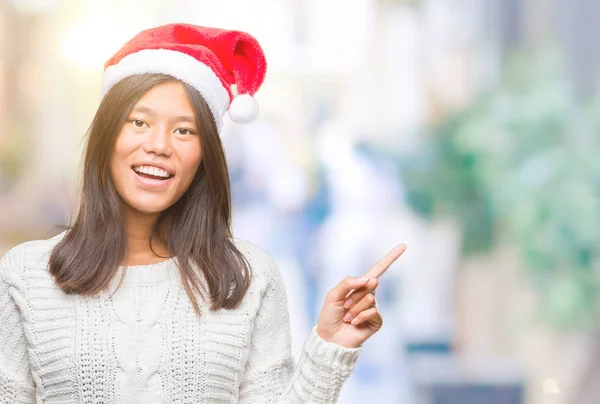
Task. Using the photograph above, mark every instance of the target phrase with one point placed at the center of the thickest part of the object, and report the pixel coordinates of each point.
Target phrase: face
(157, 152)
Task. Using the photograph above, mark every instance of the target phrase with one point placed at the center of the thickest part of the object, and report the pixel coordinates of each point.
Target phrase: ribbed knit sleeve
(270, 375)
(16, 383)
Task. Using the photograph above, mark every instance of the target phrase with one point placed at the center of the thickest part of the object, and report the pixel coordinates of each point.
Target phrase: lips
(151, 177)
(150, 181)
(151, 172)
(153, 168)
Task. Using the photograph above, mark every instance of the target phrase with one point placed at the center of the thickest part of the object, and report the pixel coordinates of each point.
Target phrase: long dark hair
(195, 229)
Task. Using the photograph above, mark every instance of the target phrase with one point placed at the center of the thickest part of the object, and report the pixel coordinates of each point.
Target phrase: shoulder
(253, 253)
(29, 255)
(262, 264)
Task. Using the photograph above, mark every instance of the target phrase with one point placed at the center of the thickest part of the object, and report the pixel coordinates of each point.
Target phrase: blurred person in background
(147, 297)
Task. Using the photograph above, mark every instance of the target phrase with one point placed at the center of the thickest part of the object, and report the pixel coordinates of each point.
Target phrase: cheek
(123, 141)
(118, 161)
(124, 146)
(116, 157)
(190, 160)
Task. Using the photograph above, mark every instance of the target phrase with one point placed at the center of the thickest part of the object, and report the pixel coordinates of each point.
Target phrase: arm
(16, 383)
(270, 375)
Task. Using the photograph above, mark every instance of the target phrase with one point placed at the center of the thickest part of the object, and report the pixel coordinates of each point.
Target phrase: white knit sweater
(145, 344)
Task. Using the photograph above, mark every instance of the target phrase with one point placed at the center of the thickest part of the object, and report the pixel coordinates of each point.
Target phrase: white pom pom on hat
(243, 109)
(214, 61)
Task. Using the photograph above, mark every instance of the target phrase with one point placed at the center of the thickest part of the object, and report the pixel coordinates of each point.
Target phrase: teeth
(155, 171)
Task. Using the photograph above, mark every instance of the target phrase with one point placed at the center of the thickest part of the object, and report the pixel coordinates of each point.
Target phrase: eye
(138, 123)
(184, 131)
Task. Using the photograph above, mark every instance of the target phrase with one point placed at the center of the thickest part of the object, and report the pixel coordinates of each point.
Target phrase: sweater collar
(147, 274)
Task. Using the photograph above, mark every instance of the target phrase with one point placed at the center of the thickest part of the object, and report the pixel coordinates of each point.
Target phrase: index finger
(383, 264)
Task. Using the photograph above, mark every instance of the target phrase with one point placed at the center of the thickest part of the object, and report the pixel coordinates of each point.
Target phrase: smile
(150, 177)
(152, 173)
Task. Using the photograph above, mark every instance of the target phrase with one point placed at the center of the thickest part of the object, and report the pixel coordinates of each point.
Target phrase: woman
(147, 298)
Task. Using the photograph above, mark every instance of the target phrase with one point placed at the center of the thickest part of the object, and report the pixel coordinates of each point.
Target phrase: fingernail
(347, 317)
(354, 321)
(348, 303)
(362, 279)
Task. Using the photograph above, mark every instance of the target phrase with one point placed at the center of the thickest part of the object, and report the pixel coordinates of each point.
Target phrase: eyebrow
(145, 110)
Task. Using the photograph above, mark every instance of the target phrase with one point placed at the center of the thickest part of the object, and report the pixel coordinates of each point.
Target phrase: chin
(150, 208)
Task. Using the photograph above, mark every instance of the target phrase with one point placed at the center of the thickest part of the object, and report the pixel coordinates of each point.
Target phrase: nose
(158, 141)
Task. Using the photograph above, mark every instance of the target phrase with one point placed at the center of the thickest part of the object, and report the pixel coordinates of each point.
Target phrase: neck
(139, 228)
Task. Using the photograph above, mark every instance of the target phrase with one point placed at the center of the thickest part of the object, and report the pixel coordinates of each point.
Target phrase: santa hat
(226, 67)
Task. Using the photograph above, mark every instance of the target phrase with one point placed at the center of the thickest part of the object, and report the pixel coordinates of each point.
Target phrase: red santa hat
(226, 67)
